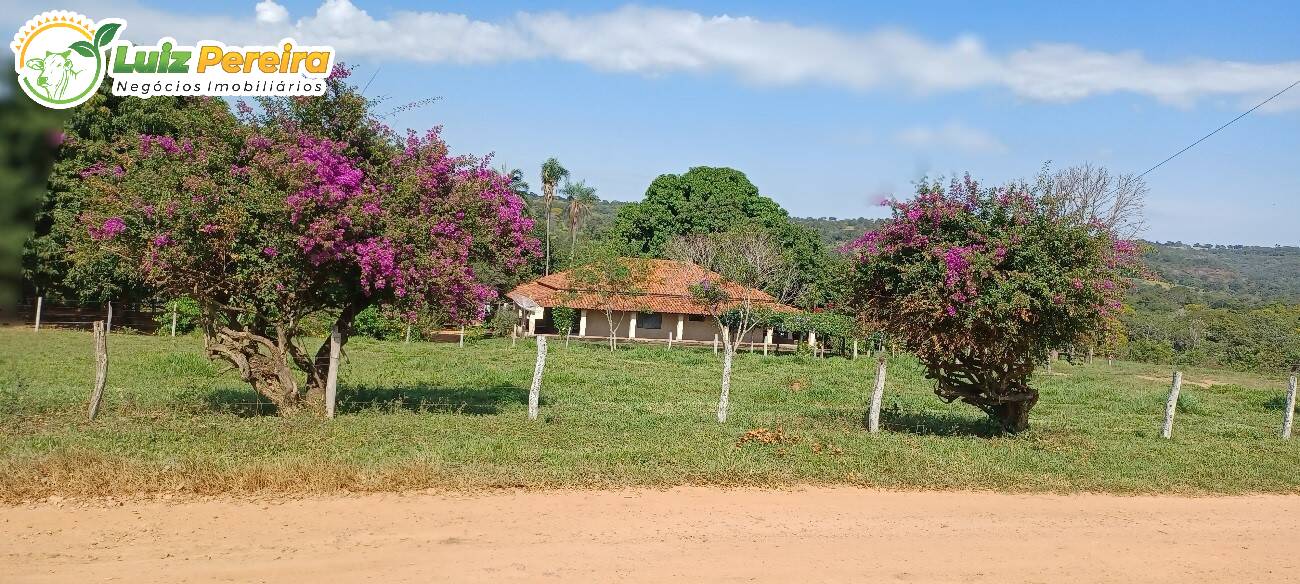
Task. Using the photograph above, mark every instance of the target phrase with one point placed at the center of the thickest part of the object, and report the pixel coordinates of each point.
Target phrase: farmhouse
(660, 309)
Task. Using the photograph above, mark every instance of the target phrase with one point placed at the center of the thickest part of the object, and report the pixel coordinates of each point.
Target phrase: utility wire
(372, 79)
(1216, 130)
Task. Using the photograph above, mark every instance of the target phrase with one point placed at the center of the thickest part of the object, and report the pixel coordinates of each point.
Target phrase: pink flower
(112, 227)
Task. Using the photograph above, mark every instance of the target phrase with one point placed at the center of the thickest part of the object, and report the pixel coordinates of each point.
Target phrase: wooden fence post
(1289, 415)
(101, 366)
(108, 323)
(1172, 405)
(877, 392)
(174, 318)
(332, 374)
(535, 390)
(39, 300)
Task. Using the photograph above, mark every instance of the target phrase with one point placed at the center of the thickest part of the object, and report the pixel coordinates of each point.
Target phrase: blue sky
(826, 107)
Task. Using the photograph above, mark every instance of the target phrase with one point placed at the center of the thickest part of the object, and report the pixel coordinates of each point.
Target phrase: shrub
(981, 283)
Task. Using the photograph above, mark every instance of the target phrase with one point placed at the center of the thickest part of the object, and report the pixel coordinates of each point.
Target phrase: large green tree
(706, 200)
(95, 137)
(29, 140)
(309, 208)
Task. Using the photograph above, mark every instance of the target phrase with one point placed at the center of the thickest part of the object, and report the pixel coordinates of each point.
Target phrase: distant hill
(1252, 273)
(837, 232)
(1240, 273)
(833, 231)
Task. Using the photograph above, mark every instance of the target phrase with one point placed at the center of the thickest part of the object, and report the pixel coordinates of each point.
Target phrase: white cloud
(658, 41)
(952, 135)
(268, 12)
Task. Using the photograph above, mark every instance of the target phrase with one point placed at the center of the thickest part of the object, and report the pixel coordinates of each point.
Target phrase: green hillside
(1259, 274)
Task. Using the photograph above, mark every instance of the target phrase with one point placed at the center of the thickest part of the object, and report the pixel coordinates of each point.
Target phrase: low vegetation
(426, 415)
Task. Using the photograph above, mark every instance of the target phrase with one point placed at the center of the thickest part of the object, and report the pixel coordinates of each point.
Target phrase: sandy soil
(680, 535)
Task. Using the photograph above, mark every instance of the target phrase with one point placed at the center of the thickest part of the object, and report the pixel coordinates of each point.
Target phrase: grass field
(438, 416)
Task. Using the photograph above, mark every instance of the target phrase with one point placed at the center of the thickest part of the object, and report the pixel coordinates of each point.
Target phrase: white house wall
(703, 330)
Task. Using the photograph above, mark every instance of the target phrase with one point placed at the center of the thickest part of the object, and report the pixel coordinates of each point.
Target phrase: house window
(696, 317)
(649, 320)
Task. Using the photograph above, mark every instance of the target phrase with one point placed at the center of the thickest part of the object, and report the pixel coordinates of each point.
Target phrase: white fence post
(108, 323)
(877, 393)
(461, 343)
(332, 374)
(408, 334)
(535, 390)
(1172, 405)
(1289, 415)
(174, 308)
(39, 300)
(715, 343)
(101, 366)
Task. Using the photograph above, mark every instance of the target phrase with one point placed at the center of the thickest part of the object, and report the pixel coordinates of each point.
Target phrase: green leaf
(105, 34)
(83, 48)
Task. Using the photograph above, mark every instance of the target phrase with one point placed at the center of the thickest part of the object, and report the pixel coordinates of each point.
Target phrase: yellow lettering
(208, 56)
(232, 62)
(297, 62)
(317, 60)
(268, 62)
(284, 58)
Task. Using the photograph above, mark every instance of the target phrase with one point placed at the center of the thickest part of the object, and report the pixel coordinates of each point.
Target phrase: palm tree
(552, 174)
(518, 185)
(581, 198)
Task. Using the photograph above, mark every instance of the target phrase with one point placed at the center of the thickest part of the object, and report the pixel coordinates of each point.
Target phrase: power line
(1216, 130)
(372, 79)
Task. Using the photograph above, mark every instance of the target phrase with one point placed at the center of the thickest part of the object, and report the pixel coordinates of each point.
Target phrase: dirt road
(680, 535)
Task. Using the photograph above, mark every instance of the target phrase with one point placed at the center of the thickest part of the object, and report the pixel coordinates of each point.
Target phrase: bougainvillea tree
(274, 222)
(980, 283)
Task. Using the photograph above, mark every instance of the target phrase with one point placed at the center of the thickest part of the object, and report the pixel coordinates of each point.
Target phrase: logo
(60, 57)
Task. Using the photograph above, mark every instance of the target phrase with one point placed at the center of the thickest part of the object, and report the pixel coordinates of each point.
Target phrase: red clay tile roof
(665, 290)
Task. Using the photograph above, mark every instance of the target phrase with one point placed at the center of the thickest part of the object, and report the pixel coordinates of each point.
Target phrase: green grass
(435, 415)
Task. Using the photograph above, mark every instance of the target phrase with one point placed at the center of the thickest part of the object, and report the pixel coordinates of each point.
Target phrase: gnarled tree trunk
(268, 361)
(260, 361)
(1000, 390)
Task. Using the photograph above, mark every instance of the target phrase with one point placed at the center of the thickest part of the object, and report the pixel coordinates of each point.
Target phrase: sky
(827, 108)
